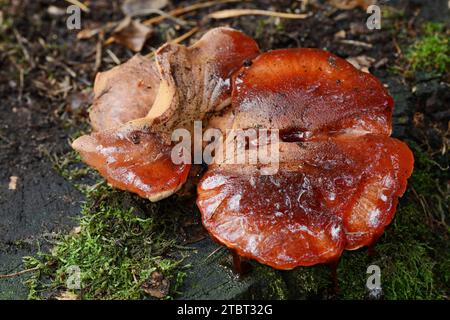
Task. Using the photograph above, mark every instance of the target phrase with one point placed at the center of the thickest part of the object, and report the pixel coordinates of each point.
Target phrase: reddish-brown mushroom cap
(392, 164)
(139, 162)
(337, 185)
(194, 81)
(309, 91)
(326, 197)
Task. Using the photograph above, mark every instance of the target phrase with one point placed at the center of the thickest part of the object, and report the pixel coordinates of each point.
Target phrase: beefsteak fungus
(339, 175)
(193, 82)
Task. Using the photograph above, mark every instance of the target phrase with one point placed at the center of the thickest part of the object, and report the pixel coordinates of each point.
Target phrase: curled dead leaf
(132, 34)
(418, 119)
(362, 62)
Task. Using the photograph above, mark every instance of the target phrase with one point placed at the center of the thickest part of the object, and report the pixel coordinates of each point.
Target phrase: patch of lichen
(120, 242)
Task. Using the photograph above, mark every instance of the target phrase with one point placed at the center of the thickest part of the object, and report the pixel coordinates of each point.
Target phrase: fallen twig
(178, 40)
(356, 43)
(21, 42)
(19, 273)
(79, 4)
(185, 36)
(113, 56)
(99, 52)
(231, 13)
(180, 11)
(163, 15)
(213, 253)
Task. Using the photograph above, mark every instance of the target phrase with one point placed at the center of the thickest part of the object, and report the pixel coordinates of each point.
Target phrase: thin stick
(185, 36)
(213, 253)
(98, 52)
(113, 56)
(16, 274)
(163, 15)
(79, 4)
(180, 11)
(356, 43)
(224, 14)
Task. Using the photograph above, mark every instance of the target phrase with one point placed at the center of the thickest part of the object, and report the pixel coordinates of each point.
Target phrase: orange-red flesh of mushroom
(340, 174)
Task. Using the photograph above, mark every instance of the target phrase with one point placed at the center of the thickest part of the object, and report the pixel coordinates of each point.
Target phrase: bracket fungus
(339, 173)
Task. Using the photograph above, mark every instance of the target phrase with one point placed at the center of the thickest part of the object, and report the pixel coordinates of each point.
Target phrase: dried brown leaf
(132, 34)
(362, 62)
(67, 295)
(156, 286)
(88, 33)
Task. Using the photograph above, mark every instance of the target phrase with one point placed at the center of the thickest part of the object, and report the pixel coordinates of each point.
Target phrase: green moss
(413, 253)
(352, 274)
(407, 271)
(399, 256)
(430, 185)
(69, 166)
(406, 257)
(121, 241)
(407, 261)
(390, 12)
(271, 283)
(430, 52)
(265, 25)
(260, 27)
(310, 282)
